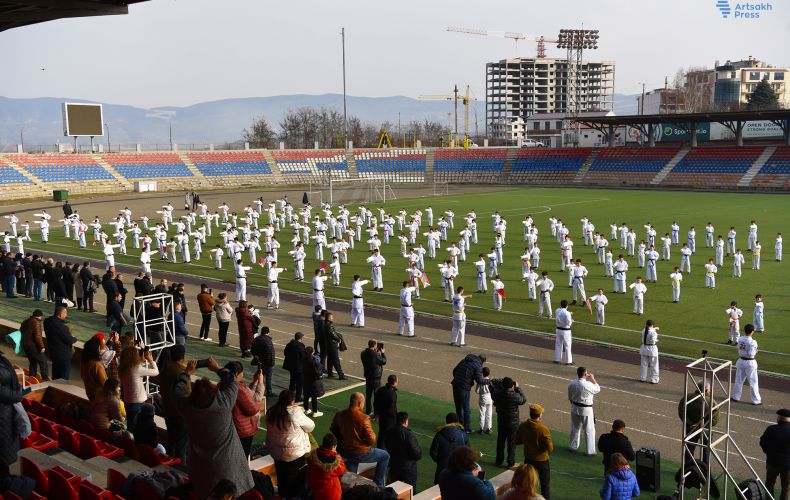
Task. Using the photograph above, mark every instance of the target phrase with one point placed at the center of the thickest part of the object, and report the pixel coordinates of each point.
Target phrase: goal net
(363, 190)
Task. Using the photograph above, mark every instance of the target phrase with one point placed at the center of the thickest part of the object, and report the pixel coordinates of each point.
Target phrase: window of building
(754, 75)
(779, 75)
(547, 125)
(559, 124)
(535, 125)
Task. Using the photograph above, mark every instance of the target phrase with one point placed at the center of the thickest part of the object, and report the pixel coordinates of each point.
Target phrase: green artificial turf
(573, 475)
(698, 322)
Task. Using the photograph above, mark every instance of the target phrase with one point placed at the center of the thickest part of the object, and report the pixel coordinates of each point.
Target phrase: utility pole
(109, 146)
(22, 138)
(345, 112)
(455, 93)
(171, 136)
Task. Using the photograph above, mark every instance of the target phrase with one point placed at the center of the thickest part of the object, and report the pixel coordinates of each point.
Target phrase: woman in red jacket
(246, 323)
(324, 469)
(247, 410)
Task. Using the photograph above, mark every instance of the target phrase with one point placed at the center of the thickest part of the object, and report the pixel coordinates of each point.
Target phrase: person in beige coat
(288, 442)
(224, 311)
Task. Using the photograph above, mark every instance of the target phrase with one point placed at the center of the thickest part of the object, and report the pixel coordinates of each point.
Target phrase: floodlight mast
(575, 41)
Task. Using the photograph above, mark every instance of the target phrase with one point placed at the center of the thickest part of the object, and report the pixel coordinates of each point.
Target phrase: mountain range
(38, 121)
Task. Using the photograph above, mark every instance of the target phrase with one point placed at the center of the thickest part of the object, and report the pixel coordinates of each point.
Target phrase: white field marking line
(524, 209)
(635, 332)
(651, 433)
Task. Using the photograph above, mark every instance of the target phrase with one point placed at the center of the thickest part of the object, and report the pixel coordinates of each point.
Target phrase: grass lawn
(697, 322)
(573, 475)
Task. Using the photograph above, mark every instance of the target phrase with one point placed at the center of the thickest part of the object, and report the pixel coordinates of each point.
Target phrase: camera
(202, 363)
(380, 346)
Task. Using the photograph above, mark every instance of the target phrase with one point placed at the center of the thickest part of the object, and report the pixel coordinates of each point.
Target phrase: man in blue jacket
(448, 437)
(465, 374)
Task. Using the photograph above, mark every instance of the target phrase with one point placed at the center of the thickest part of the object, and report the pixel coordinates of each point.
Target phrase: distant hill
(220, 121)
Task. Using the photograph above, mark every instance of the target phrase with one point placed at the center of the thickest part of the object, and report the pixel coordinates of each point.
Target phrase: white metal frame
(717, 443)
(143, 324)
(377, 187)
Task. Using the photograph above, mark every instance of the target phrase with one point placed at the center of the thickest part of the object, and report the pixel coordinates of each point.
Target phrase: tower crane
(540, 39)
(465, 99)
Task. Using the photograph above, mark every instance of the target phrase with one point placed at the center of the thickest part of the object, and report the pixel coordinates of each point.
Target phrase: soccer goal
(441, 188)
(362, 190)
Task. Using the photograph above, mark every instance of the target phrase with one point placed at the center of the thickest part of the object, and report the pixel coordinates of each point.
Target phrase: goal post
(361, 190)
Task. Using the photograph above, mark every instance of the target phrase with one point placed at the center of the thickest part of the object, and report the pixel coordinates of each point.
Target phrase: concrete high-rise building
(518, 88)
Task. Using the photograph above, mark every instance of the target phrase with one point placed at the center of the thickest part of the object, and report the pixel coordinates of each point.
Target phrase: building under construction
(518, 88)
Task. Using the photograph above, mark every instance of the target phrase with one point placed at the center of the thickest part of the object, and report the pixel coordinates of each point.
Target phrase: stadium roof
(17, 13)
(720, 117)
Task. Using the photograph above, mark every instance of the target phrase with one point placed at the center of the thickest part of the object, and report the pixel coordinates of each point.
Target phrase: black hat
(784, 413)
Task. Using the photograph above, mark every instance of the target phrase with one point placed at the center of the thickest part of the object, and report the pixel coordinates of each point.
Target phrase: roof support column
(611, 135)
(739, 133)
(693, 134)
(651, 137)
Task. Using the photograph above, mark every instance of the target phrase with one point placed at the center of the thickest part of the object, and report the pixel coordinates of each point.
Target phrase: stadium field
(698, 322)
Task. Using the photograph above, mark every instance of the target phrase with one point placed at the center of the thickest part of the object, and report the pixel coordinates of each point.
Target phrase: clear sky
(168, 52)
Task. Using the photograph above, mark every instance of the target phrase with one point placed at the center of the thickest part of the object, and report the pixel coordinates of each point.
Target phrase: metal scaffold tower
(709, 451)
(154, 326)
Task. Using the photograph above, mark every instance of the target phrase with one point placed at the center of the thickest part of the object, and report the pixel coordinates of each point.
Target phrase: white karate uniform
(737, 265)
(406, 320)
(241, 282)
(759, 320)
(357, 303)
(756, 250)
(579, 273)
(376, 262)
(482, 285)
(582, 392)
(563, 339)
(600, 308)
(685, 259)
(544, 298)
(710, 275)
(734, 315)
(497, 285)
(459, 321)
(746, 370)
(649, 356)
(676, 278)
(639, 296)
(273, 275)
(620, 270)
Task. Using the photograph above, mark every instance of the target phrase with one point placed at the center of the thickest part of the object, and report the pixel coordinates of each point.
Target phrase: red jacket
(324, 468)
(247, 410)
(244, 318)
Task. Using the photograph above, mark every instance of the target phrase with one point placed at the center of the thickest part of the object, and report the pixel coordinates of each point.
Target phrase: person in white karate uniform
(652, 259)
(756, 251)
(318, 289)
(734, 316)
(778, 248)
(377, 261)
(751, 238)
(357, 302)
(676, 278)
(746, 367)
(620, 270)
(710, 274)
(406, 319)
(759, 314)
(499, 292)
(273, 276)
(109, 254)
(709, 230)
(685, 259)
(648, 352)
(241, 280)
(581, 394)
(737, 264)
(600, 300)
(639, 290)
(545, 286)
(563, 339)
(480, 265)
(145, 261)
(578, 273)
(458, 334)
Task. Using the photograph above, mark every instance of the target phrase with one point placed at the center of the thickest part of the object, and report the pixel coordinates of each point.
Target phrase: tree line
(302, 127)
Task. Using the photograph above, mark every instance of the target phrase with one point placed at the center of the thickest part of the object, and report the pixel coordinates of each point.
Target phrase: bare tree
(260, 135)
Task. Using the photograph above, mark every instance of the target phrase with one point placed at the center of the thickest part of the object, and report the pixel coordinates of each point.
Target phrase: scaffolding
(155, 331)
(706, 448)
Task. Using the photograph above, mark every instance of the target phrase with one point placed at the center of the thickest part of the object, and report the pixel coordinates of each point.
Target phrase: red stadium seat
(49, 428)
(63, 485)
(90, 491)
(38, 442)
(252, 494)
(30, 469)
(129, 448)
(69, 440)
(91, 447)
(115, 481)
(152, 458)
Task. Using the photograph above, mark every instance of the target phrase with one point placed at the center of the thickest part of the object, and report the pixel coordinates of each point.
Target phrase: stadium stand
(148, 165)
(395, 165)
(547, 165)
(302, 166)
(712, 167)
(776, 171)
(76, 173)
(229, 168)
(468, 165)
(629, 165)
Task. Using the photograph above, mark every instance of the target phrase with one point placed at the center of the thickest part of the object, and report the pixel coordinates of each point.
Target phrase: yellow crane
(465, 99)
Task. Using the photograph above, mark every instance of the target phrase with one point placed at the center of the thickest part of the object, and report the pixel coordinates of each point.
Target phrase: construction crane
(540, 39)
(465, 99)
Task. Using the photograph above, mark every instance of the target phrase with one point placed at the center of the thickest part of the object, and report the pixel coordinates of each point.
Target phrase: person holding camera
(263, 356)
(334, 344)
(373, 359)
(292, 361)
(134, 367)
(464, 478)
(580, 394)
(507, 400)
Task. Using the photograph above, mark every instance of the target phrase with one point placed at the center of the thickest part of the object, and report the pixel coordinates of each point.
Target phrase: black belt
(574, 403)
(405, 305)
(561, 328)
(648, 344)
(317, 290)
(747, 359)
(241, 277)
(275, 281)
(357, 296)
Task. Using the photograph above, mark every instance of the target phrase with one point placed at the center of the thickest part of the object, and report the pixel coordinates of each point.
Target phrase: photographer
(334, 344)
(135, 366)
(507, 400)
(263, 354)
(373, 358)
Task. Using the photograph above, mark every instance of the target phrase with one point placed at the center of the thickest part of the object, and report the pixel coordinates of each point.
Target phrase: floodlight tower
(576, 41)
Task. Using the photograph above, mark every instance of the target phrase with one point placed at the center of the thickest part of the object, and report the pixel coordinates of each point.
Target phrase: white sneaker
(308, 412)
(318, 414)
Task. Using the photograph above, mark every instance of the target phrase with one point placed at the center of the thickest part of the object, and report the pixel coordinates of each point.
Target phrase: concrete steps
(429, 174)
(278, 176)
(507, 167)
(756, 166)
(582, 173)
(669, 166)
(199, 180)
(353, 173)
(37, 190)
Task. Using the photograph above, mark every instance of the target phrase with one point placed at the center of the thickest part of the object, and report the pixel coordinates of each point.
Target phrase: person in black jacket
(775, 443)
(385, 404)
(115, 319)
(55, 285)
(49, 279)
(313, 382)
(68, 280)
(373, 358)
(294, 352)
(318, 329)
(448, 437)
(59, 342)
(37, 270)
(86, 275)
(333, 340)
(263, 351)
(615, 442)
(142, 285)
(27, 264)
(404, 450)
(109, 285)
(121, 286)
(465, 374)
(9, 274)
(507, 400)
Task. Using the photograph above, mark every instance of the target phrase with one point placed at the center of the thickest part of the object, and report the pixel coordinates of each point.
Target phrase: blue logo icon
(724, 7)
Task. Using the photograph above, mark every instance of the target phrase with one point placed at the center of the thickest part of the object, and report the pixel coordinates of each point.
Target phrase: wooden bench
(501, 483)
